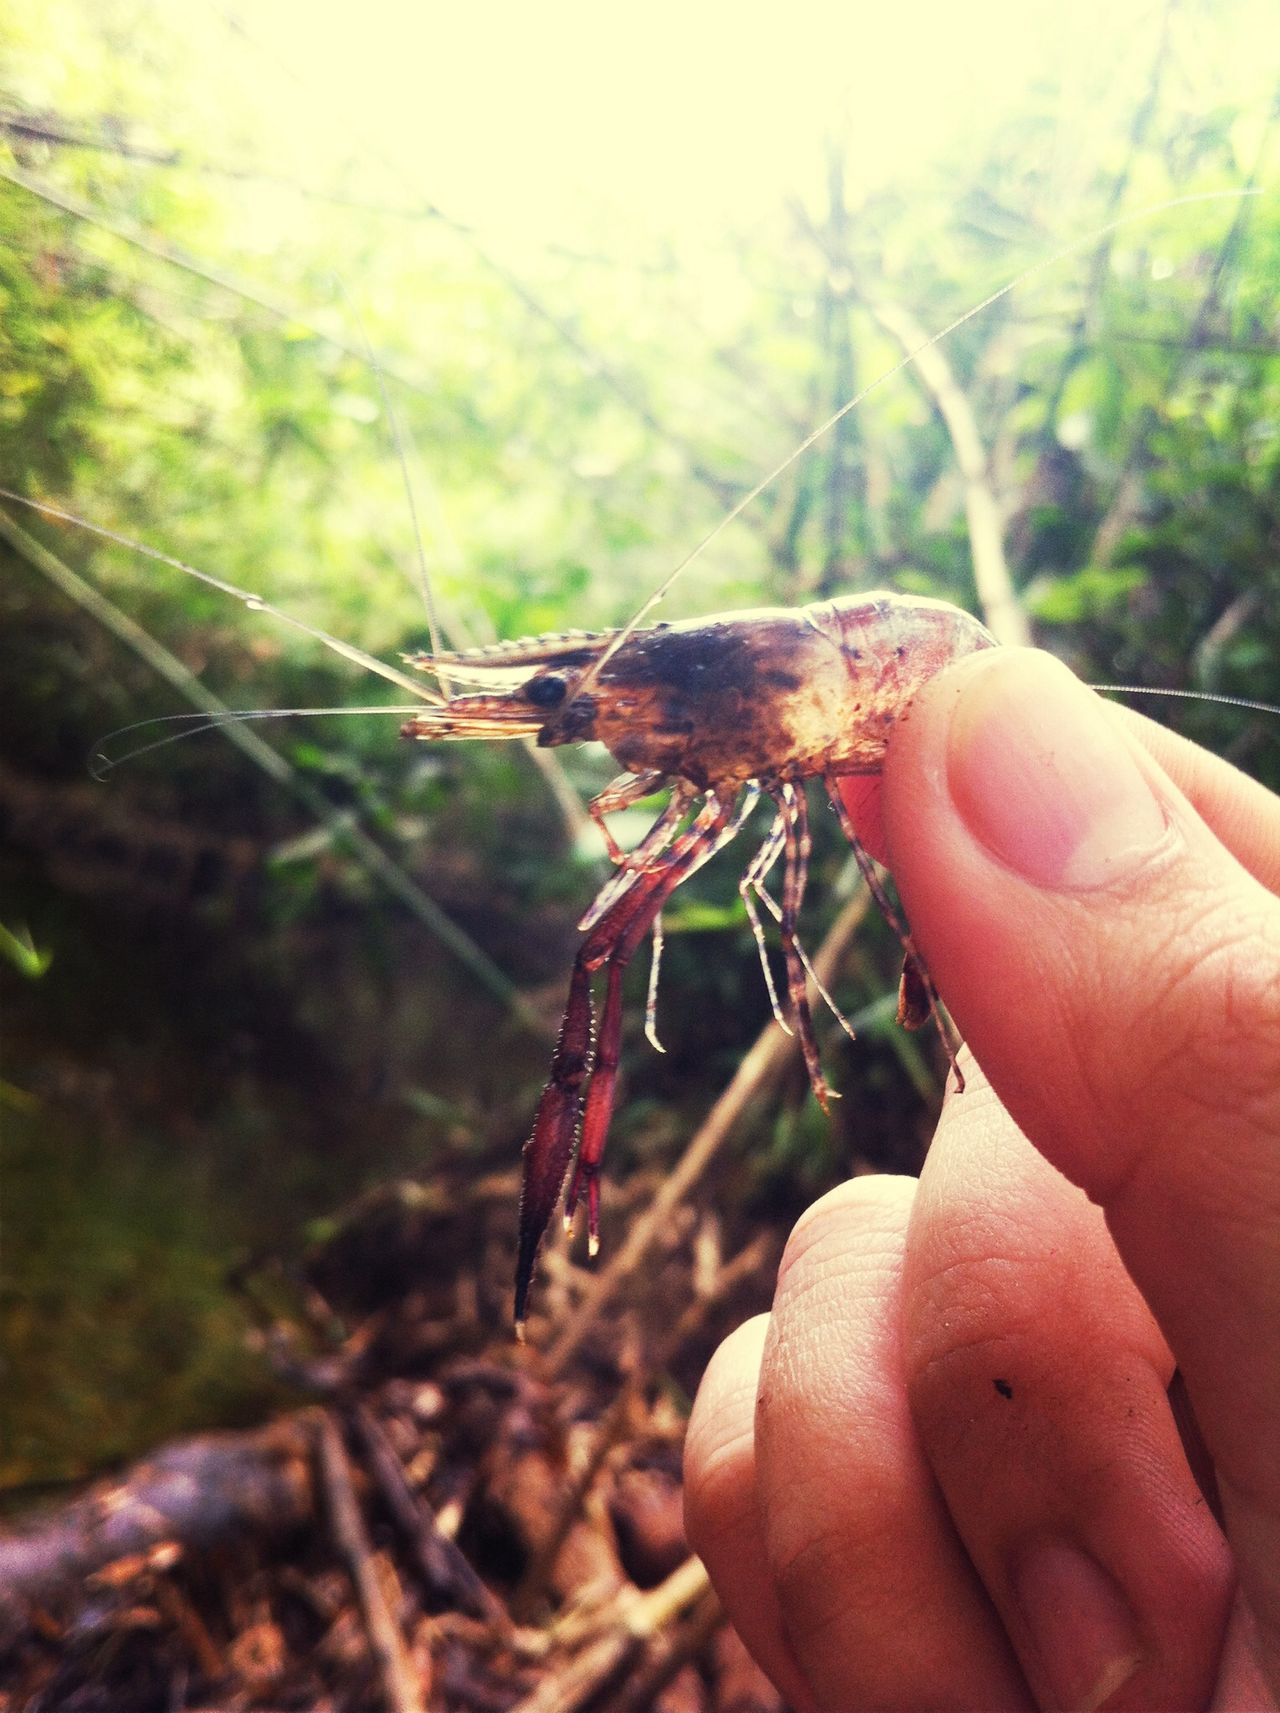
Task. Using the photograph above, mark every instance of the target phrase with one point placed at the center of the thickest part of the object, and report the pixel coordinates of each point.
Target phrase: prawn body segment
(768, 693)
(723, 710)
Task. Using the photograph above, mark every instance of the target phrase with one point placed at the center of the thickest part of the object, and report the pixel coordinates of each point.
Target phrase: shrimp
(721, 710)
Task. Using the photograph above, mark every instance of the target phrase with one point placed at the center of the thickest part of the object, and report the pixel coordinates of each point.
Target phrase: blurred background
(614, 266)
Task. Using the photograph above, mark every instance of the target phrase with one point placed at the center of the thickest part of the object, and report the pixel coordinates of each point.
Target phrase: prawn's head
(527, 691)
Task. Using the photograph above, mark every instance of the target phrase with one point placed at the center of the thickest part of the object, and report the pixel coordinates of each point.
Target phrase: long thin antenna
(593, 671)
(367, 851)
(1187, 696)
(193, 725)
(255, 603)
(397, 433)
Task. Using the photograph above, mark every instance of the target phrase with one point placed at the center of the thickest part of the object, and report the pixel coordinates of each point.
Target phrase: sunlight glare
(691, 117)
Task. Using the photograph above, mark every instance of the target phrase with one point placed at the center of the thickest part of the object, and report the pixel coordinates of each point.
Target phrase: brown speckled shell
(769, 693)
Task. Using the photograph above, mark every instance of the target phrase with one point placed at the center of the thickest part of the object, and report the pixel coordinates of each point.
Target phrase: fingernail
(1043, 779)
(1083, 1639)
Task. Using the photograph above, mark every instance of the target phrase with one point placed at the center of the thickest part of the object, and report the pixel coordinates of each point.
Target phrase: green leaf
(22, 952)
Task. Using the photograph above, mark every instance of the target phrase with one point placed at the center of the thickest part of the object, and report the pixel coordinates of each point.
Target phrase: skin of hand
(944, 1471)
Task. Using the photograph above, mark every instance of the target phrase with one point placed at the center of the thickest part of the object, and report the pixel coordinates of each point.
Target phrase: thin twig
(1001, 609)
(632, 1624)
(845, 509)
(1208, 652)
(1100, 264)
(444, 1566)
(179, 1611)
(612, 1425)
(608, 1431)
(763, 1065)
(395, 1667)
(749, 1259)
(577, 822)
(683, 1645)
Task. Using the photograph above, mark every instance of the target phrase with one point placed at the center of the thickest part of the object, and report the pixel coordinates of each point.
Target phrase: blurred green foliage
(180, 362)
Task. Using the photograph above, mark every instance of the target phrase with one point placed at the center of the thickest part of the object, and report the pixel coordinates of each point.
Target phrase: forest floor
(448, 1519)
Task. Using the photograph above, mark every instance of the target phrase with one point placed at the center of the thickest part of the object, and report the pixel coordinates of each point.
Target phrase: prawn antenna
(1187, 696)
(1073, 247)
(255, 603)
(421, 575)
(101, 762)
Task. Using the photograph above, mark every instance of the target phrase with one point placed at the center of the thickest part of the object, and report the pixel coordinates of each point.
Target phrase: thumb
(1116, 972)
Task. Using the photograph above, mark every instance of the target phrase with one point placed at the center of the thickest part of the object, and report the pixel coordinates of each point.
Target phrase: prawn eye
(547, 691)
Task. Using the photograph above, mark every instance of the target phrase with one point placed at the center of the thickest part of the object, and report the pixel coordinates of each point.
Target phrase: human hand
(944, 1471)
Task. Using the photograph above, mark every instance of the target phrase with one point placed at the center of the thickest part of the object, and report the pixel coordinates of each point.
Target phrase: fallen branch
(195, 1494)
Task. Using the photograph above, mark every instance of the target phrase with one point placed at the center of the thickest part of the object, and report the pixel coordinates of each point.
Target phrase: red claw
(564, 1112)
(598, 1109)
(550, 1147)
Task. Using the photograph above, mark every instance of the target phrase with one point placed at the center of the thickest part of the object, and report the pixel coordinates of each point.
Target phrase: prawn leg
(751, 885)
(651, 998)
(578, 1098)
(621, 793)
(645, 854)
(710, 833)
(917, 996)
(746, 804)
(794, 813)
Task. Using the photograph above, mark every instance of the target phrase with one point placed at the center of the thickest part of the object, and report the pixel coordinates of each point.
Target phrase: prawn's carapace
(721, 710)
